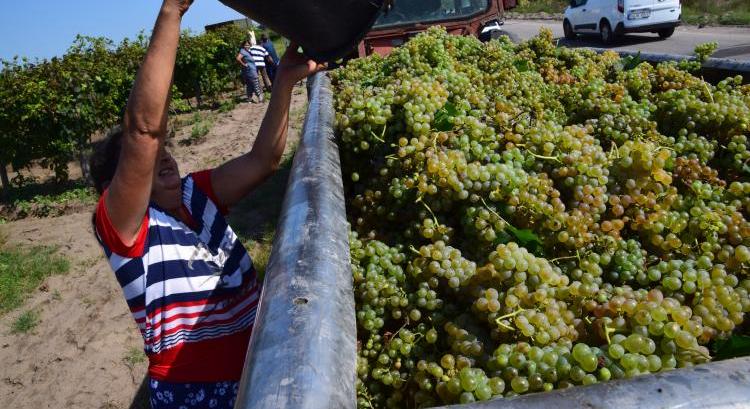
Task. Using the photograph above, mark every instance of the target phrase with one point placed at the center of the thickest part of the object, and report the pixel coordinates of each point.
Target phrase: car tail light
(621, 6)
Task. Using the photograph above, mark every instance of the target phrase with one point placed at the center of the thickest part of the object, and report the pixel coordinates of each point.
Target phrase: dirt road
(734, 42)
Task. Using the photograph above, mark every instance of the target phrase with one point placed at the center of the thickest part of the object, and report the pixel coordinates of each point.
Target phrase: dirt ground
(84, 351)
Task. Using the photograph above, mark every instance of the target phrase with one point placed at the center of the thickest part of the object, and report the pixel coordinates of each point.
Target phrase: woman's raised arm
(145, 124)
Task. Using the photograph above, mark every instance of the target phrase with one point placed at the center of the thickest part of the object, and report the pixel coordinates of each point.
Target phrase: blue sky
(45, 28)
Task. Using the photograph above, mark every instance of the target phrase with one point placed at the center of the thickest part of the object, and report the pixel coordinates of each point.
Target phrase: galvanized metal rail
(302, 352)
(724, 384)
(714, 69)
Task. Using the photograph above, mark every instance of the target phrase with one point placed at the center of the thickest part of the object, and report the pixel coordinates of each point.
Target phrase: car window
(577, 3)
(424, 11)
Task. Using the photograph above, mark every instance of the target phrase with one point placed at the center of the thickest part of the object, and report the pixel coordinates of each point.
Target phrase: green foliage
(134, 356)
(45, 199)
(444, 115)
(201, 126)
(537, 6)
(731, 12)
(25, 322)
(23, 270)
(206, 63)
(200, 129)
(49, 109)
(227, 105)
(732, 347)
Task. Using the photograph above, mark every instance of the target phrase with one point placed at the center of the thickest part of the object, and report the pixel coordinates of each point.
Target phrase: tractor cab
(405, 18)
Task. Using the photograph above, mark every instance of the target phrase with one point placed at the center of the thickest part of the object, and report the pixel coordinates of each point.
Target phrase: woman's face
(167, 184)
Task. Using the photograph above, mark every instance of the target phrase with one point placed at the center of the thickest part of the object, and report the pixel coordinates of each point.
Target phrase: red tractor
(406, 18)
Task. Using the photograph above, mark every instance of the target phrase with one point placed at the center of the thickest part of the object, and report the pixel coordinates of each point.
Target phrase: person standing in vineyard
(273, 57)
(187, 279)
(259, 56)
(249, 72)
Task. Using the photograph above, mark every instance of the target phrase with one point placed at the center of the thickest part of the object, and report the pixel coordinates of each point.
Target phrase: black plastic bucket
(325, 29)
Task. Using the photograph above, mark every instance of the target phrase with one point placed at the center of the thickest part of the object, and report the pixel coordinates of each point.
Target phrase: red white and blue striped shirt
(192, 289)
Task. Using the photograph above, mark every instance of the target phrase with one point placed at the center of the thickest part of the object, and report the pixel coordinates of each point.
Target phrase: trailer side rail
(302, 352)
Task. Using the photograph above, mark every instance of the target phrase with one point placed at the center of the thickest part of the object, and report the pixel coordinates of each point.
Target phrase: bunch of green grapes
(528, 218)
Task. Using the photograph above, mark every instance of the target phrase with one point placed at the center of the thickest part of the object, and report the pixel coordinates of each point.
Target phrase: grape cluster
(527, 218)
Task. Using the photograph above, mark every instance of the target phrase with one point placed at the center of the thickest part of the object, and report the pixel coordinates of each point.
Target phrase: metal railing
(302, 351)
(723, 384)
(714, 69)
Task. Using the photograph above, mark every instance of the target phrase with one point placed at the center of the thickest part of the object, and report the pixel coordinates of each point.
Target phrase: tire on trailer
(568, 30)
(665, 33)
(605, 32)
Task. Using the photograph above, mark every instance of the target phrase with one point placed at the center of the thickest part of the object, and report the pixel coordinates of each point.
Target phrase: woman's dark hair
(263, 38)
(103, 162)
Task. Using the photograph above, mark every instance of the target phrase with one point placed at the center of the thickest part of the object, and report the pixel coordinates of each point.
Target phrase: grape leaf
(528, 239)
(443, 115)
(732, 347)
(521, 65)
(631, 61)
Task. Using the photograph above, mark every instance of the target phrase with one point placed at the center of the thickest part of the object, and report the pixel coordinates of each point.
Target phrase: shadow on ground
(256, 215)
(140, 401)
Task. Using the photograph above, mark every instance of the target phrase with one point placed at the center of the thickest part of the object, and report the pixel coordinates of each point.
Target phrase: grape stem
(555, 260)
(429, 210)
(366, 395)
(614, 152)
(382, 135)
(607, 331)
(489, 209)
(510, 315)
(555, 158)
(376, 137)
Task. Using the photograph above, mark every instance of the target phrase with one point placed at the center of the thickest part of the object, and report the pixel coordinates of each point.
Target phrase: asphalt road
(734, 42)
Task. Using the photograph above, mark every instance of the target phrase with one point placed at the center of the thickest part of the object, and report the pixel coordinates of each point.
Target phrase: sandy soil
(76, 356)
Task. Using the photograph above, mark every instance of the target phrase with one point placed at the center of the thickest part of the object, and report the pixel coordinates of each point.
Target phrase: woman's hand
(295, 66)
(181, 6)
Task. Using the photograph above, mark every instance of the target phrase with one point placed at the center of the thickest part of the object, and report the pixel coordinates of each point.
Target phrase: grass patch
(25, 322)
(260, 249)
(726, 12)
(227, 105)
(134, 356)
(202, 125)
(23, 270)
(540, 6)
(46, 199)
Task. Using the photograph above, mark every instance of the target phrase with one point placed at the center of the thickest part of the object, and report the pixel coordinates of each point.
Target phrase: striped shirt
(192, 289)
(259, 55)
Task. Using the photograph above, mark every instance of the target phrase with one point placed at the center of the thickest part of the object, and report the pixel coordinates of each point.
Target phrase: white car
(610, 18)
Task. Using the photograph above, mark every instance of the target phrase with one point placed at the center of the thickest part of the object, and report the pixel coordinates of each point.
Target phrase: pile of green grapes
(527, 218)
